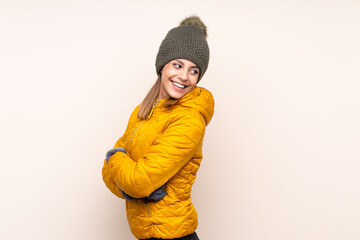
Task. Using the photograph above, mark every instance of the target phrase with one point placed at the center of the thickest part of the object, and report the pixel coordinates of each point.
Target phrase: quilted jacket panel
(164, 149)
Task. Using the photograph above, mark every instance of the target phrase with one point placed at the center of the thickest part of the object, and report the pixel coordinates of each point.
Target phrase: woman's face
(178, 78)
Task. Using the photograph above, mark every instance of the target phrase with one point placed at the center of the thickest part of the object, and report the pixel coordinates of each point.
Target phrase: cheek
(194, 81)
(168, 70)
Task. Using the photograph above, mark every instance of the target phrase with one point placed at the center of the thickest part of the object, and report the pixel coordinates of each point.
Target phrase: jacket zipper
(153, 108)
(147, 207)
(133, 135)
(150, 114)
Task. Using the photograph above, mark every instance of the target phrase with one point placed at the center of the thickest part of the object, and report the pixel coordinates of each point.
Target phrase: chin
(177, 95)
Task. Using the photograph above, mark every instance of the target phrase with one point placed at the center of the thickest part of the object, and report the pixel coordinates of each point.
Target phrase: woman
(153, 165)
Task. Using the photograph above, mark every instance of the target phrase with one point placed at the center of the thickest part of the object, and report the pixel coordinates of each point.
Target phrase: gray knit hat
(187, 41)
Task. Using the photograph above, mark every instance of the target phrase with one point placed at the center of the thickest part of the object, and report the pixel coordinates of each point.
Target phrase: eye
(194, 71)
(176, 65)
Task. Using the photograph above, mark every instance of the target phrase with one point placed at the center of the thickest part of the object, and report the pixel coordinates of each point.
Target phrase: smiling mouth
(178, 85)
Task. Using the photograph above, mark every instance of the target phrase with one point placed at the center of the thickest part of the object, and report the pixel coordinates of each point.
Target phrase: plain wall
(281, 155)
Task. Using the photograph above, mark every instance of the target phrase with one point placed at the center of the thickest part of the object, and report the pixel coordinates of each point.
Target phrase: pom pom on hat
(194, 20)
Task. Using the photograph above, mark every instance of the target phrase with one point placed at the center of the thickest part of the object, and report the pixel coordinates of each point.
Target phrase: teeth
(178, 85)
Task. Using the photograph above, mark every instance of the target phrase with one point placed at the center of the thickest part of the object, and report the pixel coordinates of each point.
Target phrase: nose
(183, 74)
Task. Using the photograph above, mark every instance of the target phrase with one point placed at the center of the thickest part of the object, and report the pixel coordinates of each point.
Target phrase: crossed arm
(168, 154)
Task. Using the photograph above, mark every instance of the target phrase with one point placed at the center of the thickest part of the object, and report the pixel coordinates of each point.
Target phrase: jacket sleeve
(110, 184)
(166, 156)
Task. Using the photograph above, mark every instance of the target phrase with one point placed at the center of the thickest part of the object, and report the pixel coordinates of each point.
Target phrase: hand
(112, 152)
(128, 197)
(157, 195)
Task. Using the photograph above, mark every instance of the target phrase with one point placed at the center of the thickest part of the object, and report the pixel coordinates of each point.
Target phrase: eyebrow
(184, 64)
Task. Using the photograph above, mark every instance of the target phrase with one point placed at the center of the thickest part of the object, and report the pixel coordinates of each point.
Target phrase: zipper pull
(153, 108)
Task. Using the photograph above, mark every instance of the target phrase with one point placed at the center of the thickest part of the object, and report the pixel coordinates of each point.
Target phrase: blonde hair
(150, 99)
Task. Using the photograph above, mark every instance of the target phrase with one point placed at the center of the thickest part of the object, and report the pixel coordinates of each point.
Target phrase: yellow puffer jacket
(164, 149)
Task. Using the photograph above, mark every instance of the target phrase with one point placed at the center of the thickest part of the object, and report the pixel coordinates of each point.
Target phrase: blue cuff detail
(112, 152)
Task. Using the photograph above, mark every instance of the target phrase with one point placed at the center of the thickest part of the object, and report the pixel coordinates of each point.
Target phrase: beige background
(281, 155)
